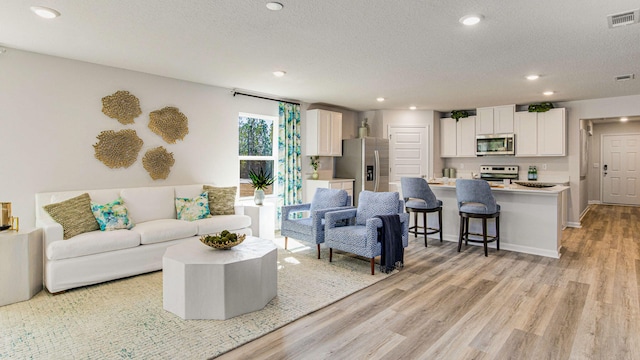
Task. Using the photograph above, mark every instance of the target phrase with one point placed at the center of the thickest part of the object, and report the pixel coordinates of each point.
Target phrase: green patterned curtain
(289, 166)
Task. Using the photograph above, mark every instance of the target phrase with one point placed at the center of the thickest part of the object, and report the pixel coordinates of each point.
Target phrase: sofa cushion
(221, 199)
(74, 215)
(93, 242)
(149, 203)
(112, 215)
(191, 209)
(156, 231)
(218, 223)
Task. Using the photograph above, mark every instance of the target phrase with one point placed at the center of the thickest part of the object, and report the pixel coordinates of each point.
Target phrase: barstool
(419, 198)
(475, 201)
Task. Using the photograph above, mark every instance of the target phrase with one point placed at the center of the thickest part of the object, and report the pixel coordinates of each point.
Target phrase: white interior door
(621, 169)
(408, 152)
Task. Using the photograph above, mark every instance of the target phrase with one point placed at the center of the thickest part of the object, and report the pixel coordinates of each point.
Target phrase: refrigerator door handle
(376, 155)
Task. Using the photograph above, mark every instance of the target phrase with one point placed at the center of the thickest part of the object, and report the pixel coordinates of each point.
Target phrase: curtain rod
(265, 98)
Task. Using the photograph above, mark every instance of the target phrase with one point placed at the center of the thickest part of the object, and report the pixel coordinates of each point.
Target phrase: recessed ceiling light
(471, 19)
(274, 6)
(533, 77)
(412, 107)
(547, 93)
(279, 73)
(380, 99)
(45, 12)
(623, 119)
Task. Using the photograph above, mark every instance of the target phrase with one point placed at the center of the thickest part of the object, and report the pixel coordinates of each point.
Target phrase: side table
(263, 218)
(20, 265)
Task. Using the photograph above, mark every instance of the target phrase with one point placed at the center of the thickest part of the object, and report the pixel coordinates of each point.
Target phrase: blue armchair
(362, 237)
(311, 229)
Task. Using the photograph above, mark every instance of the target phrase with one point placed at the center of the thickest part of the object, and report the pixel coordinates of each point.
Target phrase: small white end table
(263, 218)
(200, 282)
(20, 265)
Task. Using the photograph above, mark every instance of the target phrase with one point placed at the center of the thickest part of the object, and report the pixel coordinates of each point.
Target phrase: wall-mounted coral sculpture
(169, 123)
(121, 106)
(118, 149)
(158, 162)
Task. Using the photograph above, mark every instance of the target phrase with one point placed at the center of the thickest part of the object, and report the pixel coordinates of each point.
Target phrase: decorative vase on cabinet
(314, 176)
(258, 196)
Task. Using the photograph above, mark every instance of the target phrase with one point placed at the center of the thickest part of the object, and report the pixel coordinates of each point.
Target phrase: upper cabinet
(324, 133)
(495, 120)
(458, 138)
(541, 134)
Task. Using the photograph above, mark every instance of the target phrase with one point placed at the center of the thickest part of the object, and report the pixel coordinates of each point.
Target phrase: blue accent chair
(476, 201)
(419, 198)
(361, 236)
(311, 229)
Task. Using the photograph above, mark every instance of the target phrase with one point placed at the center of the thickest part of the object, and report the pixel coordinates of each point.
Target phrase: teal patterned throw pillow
(112, 216)
(193, 209)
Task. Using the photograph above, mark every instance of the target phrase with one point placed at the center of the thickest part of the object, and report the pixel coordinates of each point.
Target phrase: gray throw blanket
(390, 237)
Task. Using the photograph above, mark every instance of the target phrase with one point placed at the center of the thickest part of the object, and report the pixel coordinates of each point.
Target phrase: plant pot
(258, 196)
(314, 176)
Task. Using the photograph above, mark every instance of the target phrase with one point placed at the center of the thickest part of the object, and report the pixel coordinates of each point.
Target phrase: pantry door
(408, 152)
(621, 169)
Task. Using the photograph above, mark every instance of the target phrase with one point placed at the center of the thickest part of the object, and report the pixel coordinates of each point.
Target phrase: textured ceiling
(348, 52)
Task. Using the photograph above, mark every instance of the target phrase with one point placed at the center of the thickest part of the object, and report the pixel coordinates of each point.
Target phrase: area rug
(125, 319)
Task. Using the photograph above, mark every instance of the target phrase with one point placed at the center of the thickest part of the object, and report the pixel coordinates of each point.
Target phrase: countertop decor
(223, 241)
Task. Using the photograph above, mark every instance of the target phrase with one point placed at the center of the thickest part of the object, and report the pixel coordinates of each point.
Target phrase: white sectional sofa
(99, 256)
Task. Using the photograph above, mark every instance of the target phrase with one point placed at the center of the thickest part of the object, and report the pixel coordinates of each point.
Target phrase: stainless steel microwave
(497, 144)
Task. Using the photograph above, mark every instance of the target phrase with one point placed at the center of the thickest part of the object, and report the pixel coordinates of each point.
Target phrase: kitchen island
(531, 219)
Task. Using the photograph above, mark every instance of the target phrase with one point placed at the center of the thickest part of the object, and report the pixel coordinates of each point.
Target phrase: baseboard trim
(510, 247)
(594, 202)
(573, 224)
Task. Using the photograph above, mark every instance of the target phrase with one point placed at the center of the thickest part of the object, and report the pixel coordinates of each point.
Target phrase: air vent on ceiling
(625, 77)
(622, 19)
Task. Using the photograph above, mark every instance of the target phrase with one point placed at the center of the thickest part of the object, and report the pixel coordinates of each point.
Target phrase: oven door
(500, 144)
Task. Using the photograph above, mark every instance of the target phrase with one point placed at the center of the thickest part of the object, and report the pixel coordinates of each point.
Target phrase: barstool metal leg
(440, 223)
(424, 227)
(484, 235)
(461, 233)
(498, 232)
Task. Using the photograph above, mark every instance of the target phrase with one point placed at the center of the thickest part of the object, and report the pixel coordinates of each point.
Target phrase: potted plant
(260, 181)
(541, 107)
(315, 161)
(457, 114)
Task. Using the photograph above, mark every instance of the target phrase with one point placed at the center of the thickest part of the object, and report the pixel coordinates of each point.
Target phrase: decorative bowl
(223, 240)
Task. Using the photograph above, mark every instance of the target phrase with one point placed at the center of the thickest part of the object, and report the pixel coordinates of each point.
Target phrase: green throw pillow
(74, 215)
(112, 216)
(221, 199)
(193, 209)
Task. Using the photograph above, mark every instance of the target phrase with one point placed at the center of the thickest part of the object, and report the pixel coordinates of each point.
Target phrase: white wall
(589, 109)
(595, 152)
(51, 113)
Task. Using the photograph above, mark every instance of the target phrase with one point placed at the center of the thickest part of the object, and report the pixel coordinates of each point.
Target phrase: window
(258, 148)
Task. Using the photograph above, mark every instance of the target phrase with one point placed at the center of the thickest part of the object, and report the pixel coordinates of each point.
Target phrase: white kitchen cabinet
(495, 120)
(541, 134)
(458, 138)
(324, 133)
(310, 187)
(448, 137)
(466, 137)
(552, 133)
(526, 133)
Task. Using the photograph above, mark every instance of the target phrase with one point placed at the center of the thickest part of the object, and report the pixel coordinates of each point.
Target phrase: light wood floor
(450, 305)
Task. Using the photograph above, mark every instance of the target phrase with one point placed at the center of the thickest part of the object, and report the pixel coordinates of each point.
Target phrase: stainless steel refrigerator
(367, 161)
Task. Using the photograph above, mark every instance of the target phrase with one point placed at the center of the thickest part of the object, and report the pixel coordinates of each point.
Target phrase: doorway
(620, 171)
(408, 152)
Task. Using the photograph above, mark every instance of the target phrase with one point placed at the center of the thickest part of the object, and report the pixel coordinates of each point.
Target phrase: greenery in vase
(315, 161)
(260, 180)
(457, 114)
(541, 107)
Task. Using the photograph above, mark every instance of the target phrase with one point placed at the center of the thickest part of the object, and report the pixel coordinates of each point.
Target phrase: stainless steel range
(499, 172)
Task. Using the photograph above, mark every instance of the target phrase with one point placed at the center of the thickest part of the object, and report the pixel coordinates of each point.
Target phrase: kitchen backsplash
(550, 169)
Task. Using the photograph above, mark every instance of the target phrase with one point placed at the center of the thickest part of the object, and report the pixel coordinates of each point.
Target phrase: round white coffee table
(200, 282)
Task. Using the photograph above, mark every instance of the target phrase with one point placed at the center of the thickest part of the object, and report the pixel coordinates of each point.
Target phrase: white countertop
(512, 188)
